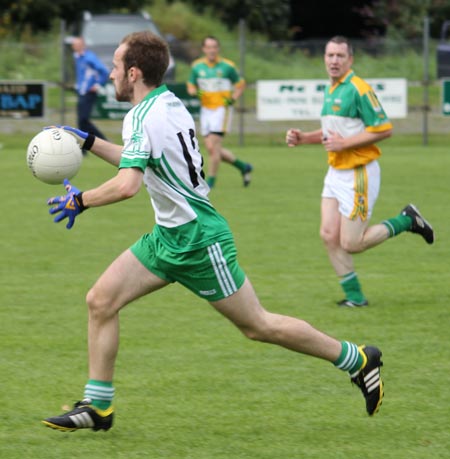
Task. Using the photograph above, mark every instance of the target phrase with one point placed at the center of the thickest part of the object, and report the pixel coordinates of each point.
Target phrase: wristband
(79, 198)
(90, 139)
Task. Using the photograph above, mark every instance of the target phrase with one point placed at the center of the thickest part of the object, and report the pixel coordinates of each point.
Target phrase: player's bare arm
(238, 90)
(191, 89)
(107, 151)
(296, 137)
(123, 186)
(104, 149)
(333, 141)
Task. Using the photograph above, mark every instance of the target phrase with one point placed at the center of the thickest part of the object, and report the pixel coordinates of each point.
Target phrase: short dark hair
(149, 53)
(339, 39)
(210, 37)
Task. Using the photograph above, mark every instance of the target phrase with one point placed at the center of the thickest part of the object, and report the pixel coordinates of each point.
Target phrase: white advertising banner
(278, 100)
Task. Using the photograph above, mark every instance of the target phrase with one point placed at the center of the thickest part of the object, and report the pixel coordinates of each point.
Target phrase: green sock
(211, 181)
(398, 224)
(240, 165)
(350, 359)
(352, 288)
(100, 392)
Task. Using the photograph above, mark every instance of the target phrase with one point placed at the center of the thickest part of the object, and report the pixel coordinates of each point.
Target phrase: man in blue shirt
(91, 74)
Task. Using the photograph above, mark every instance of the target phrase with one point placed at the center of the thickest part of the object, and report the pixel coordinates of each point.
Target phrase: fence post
(63, 73)
(426, 78)
(242, 71)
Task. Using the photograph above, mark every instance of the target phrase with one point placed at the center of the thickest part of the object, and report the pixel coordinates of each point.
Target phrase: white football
(53, 155)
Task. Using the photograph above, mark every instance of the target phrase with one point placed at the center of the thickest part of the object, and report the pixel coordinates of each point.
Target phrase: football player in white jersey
(191, 242)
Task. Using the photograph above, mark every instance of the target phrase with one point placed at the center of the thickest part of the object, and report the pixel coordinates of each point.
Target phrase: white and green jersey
(159, 138)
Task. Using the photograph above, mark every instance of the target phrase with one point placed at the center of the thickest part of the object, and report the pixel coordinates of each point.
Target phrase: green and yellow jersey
(215, 81)
(350, 107)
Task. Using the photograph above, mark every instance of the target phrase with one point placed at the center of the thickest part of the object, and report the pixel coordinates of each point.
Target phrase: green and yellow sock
(240, 165)
(100, 392)
(350, 359)
(398, 224)
(352, 288)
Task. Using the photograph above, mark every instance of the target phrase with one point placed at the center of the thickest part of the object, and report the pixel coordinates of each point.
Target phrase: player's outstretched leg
(419, 224)
(368, 378)
(83, 416)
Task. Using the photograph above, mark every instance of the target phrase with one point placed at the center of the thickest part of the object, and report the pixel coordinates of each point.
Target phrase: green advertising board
(446, 97)
(108, 108)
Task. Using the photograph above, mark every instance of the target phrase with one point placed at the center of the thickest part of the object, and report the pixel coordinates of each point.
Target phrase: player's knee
(252, 333)
(98, 304)
(262, 332)
(352, 245)
(329, 238)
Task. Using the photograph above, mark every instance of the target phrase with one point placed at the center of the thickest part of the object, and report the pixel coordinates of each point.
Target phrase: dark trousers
(84, 108)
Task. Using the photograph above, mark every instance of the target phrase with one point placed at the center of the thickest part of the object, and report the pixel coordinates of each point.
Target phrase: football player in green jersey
(191, 243)
(353, 121)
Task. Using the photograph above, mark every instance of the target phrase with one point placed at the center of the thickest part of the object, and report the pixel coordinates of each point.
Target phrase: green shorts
(212, 273)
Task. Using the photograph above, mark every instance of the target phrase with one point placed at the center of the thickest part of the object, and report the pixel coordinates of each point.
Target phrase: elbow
(385, 134)
(129, 184)
(128, 190)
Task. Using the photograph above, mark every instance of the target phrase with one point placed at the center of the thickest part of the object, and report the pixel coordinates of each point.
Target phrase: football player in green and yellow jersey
(353, 121)
(217, 83)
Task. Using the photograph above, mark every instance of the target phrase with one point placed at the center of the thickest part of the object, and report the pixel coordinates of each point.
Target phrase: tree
(403, 19)
(269, 17)
(276, 19)
(39, 15)
(325, 18)
(36, 14)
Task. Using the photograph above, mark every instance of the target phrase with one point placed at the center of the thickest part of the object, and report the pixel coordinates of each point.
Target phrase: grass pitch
(188, 384)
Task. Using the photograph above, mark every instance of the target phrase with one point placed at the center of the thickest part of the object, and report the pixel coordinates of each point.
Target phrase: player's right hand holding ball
(84, 139)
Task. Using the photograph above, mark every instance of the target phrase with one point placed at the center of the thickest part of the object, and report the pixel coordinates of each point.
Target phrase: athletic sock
(352, 288)
(398, 224)
(100, 392)
(350, 359)
(240, 165)
(211, 181)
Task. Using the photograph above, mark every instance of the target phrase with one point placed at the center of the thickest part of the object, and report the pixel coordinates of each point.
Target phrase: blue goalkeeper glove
(84, 139)
(68, 206)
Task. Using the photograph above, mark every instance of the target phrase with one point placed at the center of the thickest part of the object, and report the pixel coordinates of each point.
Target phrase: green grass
(188, 384)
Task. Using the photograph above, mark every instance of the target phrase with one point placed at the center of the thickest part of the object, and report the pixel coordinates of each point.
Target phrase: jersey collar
(345, 79)
(213, 63)
(156, 92)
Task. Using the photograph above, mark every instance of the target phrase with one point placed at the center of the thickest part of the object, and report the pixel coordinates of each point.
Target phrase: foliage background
(274, 19)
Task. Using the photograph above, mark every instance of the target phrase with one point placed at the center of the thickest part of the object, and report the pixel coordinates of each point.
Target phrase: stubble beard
(125, 92)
